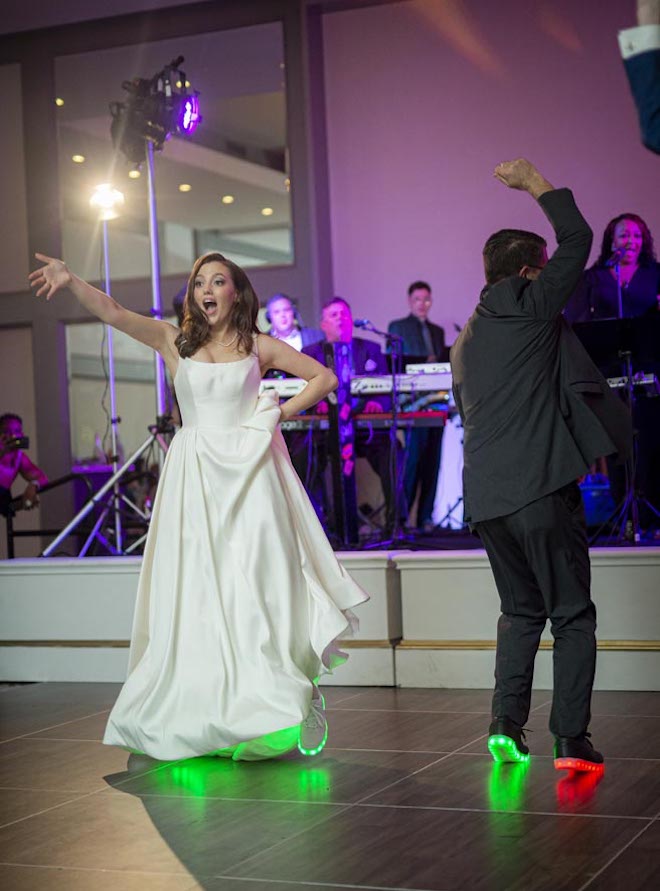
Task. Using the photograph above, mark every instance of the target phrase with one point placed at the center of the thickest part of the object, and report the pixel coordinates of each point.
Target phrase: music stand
(625, 345)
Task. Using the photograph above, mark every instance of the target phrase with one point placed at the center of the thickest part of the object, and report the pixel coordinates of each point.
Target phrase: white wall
(425, 97)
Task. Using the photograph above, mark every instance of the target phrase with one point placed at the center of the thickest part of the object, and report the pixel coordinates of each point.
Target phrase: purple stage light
(189, 118)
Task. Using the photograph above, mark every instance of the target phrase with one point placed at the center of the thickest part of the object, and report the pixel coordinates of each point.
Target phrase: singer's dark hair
(507, 251)
(647, 253)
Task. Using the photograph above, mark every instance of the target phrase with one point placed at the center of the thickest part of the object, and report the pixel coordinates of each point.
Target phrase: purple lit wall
(424, 98)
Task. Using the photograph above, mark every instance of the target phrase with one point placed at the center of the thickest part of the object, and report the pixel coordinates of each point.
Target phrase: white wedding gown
(240, 597)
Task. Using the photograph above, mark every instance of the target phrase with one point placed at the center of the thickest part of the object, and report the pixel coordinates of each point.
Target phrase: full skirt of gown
(240, 598)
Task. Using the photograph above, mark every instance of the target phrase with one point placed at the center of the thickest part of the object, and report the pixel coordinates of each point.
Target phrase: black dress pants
(309, 455)
(423, 449)
(540, 559)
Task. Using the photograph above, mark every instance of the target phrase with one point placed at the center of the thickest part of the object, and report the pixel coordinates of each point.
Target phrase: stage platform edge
(430, 622)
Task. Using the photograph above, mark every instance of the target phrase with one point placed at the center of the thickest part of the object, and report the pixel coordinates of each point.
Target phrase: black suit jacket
(410, 329)
(535, 408)
(367, 359)
(643, 72)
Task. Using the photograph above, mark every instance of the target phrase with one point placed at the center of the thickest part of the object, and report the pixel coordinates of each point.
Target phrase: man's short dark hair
(10, 416)
(336, 300)
(419, 286)
(507, 251)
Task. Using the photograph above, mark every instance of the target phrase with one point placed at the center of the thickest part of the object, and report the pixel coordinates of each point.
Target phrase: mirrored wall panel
(224, 187)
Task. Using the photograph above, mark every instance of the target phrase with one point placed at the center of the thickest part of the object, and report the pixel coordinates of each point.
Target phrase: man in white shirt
(286, 325)
(640, 50)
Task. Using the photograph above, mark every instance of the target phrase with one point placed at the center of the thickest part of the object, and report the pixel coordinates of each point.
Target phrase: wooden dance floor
(403, 797)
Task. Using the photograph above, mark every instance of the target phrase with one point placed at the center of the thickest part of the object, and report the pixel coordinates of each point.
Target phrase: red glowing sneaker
(577, 754)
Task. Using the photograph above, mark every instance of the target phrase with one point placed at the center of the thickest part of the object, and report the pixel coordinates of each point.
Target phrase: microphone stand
(394, 344)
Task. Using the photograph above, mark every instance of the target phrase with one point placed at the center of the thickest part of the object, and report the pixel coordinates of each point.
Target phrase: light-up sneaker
(506, 741)
(577, 754)
(314, 729)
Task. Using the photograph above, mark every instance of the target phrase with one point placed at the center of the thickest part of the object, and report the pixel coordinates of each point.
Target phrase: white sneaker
(314, 729)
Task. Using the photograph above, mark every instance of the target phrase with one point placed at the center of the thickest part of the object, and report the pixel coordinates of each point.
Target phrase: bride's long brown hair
(195, 330)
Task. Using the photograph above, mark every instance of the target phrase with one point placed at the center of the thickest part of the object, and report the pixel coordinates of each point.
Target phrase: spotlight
(78, 159)
(155, 109)
(107, 200)
(228, 199)
(59, 102)
(267, 211)
(189, 116)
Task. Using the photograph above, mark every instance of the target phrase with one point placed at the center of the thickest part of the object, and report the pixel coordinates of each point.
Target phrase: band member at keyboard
(374, 445)
(426, 341)
(285, 323)
(536, 412)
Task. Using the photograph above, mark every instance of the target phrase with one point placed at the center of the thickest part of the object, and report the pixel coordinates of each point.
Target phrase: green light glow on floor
(504, 749)
(314, 783)
(506, 786)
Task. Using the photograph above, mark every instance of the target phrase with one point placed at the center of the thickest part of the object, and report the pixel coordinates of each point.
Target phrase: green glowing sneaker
(505, 741)
(314, 729)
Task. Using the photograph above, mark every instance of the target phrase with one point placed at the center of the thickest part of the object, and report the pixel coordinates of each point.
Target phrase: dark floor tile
(626, 703)
(402, 731)
(638, 867)
(431, 700)
(155, 834)
(15, 804)
(447, 850)
(32, 878)
(335, 694)
(227, 884)
(74, 766)
(34, 707)
(91, 728)
(628, 788)
(334, 776)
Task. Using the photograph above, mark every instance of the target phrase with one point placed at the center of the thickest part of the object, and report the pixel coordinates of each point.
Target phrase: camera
(19, 442)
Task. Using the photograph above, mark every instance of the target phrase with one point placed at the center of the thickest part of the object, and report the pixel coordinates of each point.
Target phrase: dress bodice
(217, 394)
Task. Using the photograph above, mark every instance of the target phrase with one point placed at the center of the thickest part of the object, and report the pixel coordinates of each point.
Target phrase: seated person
(14, 462)
(285, 323)
(374, 445)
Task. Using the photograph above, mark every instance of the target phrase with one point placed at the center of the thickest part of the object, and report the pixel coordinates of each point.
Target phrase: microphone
(364, 323)
(615, 257)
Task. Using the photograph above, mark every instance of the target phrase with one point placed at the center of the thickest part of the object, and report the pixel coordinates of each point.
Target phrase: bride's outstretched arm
(54, 275)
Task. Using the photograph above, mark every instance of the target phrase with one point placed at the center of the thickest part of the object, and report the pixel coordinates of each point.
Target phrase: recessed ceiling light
(184, 187)
(134, 174)
(287, 184)
(59, 102)
(78, 159)
(228, 199)
(267, 211)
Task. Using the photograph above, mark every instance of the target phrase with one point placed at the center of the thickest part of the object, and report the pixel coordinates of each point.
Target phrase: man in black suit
(421, 339)
(367, 358)
(536, 412)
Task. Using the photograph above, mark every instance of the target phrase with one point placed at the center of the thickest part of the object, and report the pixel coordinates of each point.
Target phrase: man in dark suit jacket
(536, 412)
(421, 339)
(367, 358)
(285, 323)
(640, 49)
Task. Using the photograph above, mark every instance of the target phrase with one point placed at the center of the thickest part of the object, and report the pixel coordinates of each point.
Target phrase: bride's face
(214, 291)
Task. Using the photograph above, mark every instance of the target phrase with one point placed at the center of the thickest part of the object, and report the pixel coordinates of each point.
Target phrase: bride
(240, 600)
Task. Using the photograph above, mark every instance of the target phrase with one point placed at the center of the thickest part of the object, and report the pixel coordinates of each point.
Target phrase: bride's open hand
(51, 277)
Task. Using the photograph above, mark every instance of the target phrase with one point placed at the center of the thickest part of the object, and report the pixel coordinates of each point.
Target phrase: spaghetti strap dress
(241, 599)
